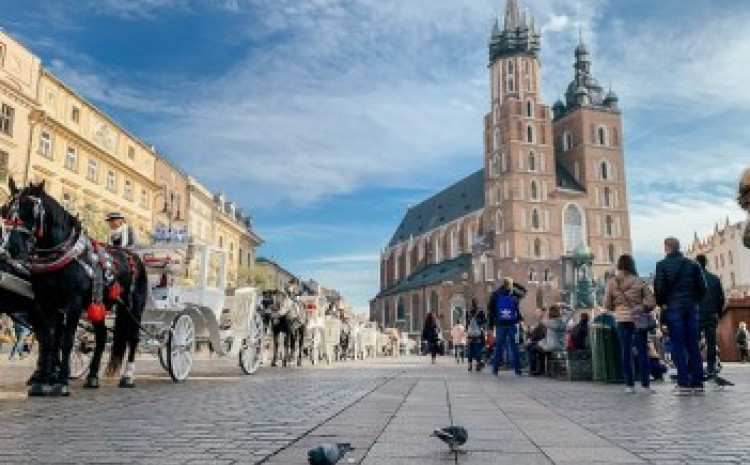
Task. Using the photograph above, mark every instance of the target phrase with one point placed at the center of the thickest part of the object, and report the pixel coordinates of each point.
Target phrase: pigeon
(722, 382)
(328, 453)
(454, 436)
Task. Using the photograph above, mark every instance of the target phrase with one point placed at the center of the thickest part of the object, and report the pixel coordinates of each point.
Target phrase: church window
(535, 219)
(529, 108)
(416, 318)
(732, 280)
(533, 191)
(529, 133)
(567, 141)
(611, 253)
(731, 260)
(511, 78)
(537, 248)
(547, 275)
(532, 161)
(506, 190)
(604, 170)
(544, 190)
(531, 276)
(609, 226)
(607, 197)
(400, 309)
(572, 228)
(601, 135)
(504, 162)
(500, 226)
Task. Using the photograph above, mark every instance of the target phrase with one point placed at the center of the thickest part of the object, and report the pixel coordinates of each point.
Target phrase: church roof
(567, 181)
(460, 199)
(431, 275)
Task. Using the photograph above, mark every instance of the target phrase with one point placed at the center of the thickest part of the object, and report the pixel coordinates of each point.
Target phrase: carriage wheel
(161, 353)
(180, 347)
(80, 356)
(251, 353)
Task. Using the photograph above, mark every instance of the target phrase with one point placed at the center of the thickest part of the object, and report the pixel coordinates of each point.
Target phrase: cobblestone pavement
(386, 408)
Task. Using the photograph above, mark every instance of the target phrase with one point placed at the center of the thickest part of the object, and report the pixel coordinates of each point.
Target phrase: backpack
(474, 329)
(505, 310)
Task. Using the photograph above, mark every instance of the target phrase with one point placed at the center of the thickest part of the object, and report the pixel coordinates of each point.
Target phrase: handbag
(644, 320)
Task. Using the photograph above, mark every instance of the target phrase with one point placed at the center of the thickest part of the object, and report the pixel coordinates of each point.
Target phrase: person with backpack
(679, 287)
(504, 317)
(476, 321)
(710, 310)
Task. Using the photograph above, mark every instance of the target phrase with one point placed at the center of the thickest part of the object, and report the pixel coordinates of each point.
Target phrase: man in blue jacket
(679, 287)
(504, 315)
(710, 310)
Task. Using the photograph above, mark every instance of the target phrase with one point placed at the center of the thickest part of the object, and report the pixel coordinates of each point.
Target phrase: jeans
(460, 350)
(708, 329)
(682, 324)
(475, 351)
(17, 348)
(626, 332)
(506, 333)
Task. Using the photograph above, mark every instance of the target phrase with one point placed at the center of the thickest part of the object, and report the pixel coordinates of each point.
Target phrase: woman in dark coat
(430, 334)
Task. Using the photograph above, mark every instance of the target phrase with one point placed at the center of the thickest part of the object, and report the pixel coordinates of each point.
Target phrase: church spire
(519, 35)
(512, 17)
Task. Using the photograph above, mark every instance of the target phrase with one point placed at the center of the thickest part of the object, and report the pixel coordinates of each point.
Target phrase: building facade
(276, 276)
(170, 200)
(90, 163)
(552, 186)
(19, 80)
(727, 257)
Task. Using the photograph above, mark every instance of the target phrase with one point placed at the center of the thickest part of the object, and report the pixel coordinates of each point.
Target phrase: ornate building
(553, 184)
(727, 257)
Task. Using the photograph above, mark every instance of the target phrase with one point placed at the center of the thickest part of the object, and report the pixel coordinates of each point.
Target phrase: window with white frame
(604, 170)
(111, 181)
(602, 136)
(607, 197)
(75, 114)
(609, 226)
(535, 224)
(529, 133)
(534, 191)
(511, 79)
(7, 115)
(71, 159)
(500, 222)
(567, 141)
(532, 161)
(4, 166)
(45, 144)
(92, 170)
(537, 248)
(128, 191)
(611, 253)
(504, 161)
(572, 228)
(144, 198)
(529, 108)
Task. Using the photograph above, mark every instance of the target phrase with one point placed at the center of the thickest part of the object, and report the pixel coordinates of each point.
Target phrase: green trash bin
(605, 349)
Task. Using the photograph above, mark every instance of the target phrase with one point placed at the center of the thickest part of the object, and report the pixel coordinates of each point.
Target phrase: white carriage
(323, 331)
(180, 313)
(367, 340)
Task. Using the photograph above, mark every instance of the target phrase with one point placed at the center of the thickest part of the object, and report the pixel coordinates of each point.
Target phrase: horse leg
(39, 381)
(100, 340)
(275, 343)
(300, 343)
(67, 328)
(128, 378)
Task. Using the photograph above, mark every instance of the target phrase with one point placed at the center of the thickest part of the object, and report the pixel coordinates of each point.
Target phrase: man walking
(679, 287)
(710, 310)
(504, 316)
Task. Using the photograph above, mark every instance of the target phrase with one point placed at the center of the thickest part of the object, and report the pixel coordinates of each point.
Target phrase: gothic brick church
(553, 184)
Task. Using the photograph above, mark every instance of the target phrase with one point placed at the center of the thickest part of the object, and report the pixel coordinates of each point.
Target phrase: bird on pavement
(328, 453)
(454, 436)
(722, 382)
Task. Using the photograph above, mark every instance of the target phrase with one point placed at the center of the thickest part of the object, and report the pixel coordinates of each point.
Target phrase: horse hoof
(61, 390)
(91, 383)
(39, 390)
(126, 382)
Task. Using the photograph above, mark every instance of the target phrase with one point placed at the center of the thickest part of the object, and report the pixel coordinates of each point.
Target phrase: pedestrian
(504, 316)
(679, 288)
(430, 334)
(554, 339)
(579, 335)
(20, 328)
(741, 339)
(476, 322)
(711, 309)
(536, 335)
(458, 338)
(628, 295)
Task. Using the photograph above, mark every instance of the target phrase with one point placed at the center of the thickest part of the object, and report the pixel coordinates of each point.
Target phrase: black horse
(51, 244)
(283, 316)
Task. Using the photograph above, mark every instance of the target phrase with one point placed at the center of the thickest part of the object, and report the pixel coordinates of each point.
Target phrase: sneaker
(681, 391)
(699, 390)
(648, 390)
(629, 390)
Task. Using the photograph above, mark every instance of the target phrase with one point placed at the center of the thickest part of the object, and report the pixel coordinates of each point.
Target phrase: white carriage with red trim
(189, 303)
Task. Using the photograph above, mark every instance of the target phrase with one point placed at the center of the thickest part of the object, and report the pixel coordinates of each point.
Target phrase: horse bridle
(14, 223)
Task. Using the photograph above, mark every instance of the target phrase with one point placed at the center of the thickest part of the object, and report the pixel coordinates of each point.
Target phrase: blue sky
(328, 118)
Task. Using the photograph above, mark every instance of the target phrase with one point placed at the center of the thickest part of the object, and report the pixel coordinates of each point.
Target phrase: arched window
(567, 141)
(611, 253)
(573, 228)
(504, 162)
(532, 161)
(609, 226)
(601, 135)
(537, 248)
(731, 260)
(604, 170)
(535, 219)
(534, 192)
(500, 225)
(529, 133)
(511, 77)
(607, 197)
(400, 309)
(531, 276)
(529, 108)
(416, 314)
(547, 275)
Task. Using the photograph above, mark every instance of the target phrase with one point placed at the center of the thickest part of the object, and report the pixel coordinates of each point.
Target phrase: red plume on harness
(96, 312)
(114, 291)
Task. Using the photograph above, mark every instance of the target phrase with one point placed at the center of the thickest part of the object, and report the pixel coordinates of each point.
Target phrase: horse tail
(128, 320)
